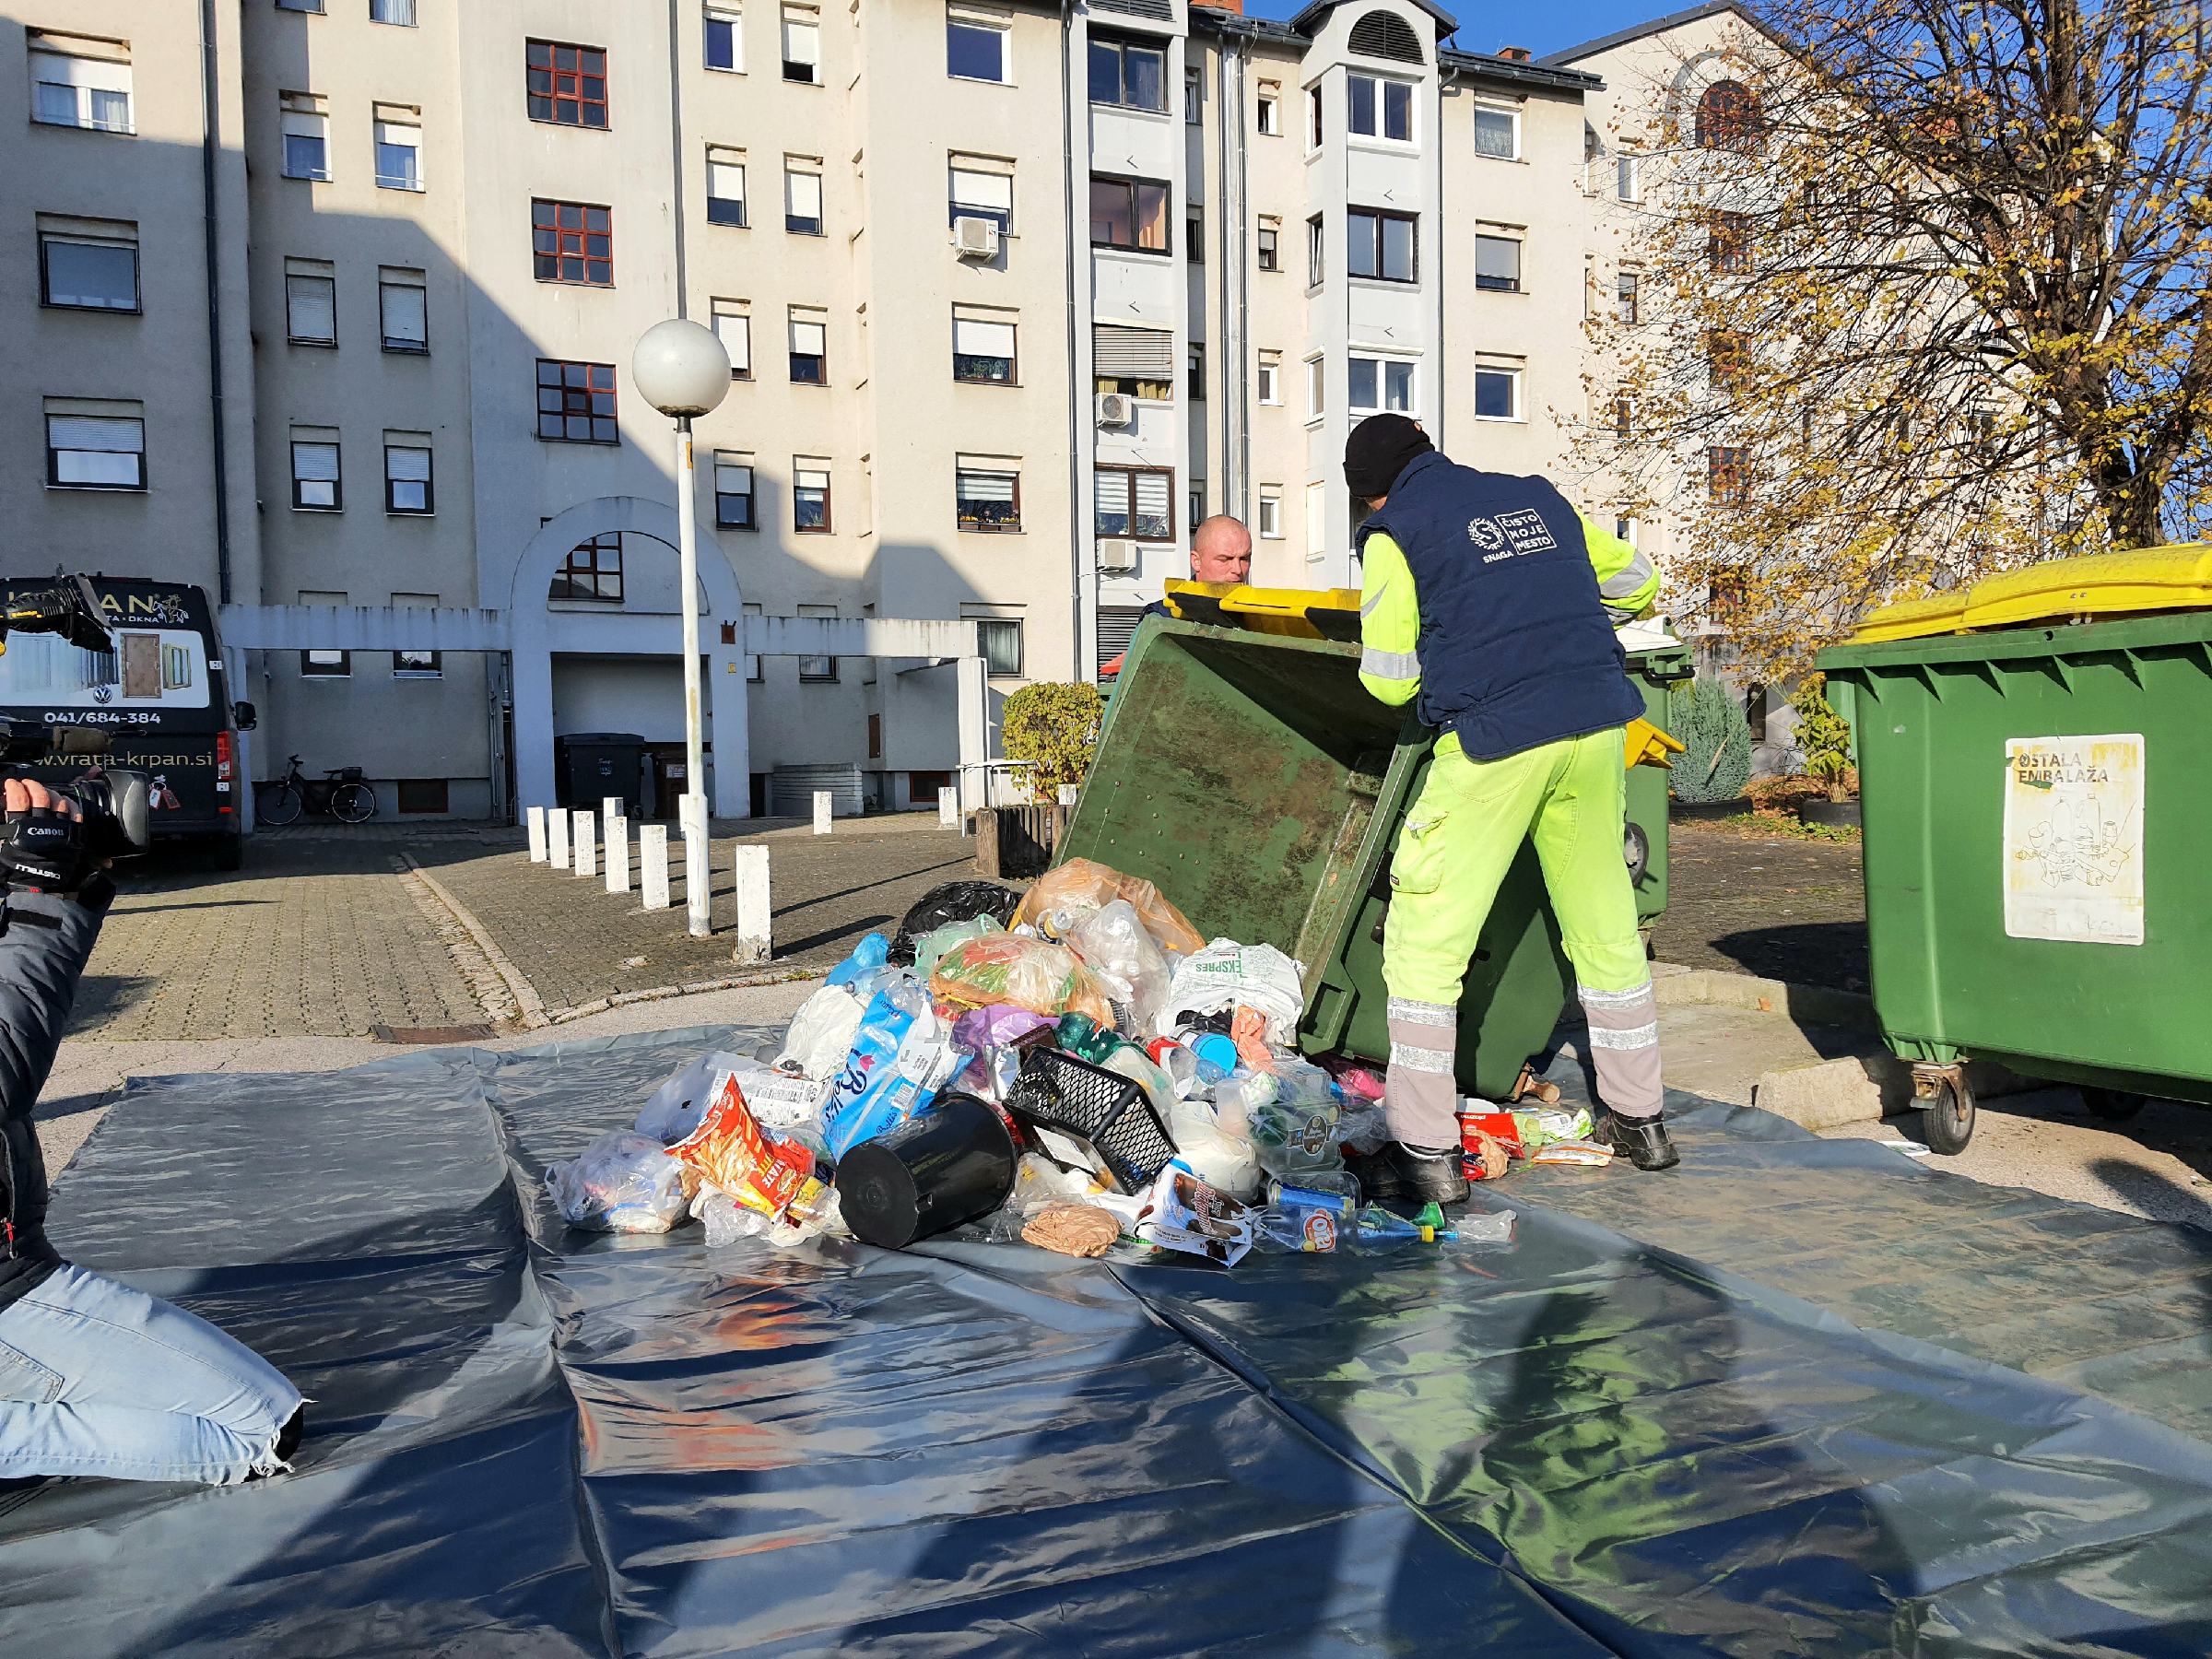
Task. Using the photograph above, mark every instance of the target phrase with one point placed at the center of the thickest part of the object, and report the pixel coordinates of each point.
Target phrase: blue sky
(1484, 26)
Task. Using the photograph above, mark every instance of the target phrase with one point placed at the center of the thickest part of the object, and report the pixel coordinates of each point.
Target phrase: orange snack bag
(758, 1171)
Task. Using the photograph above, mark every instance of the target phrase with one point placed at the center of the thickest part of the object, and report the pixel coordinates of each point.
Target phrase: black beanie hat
(1380, 448)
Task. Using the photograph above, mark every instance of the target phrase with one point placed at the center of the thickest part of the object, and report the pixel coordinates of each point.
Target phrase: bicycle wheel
(279, 804)
(353, 803)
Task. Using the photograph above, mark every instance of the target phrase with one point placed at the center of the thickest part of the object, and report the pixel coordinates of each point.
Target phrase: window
(982, 189)
(1498, 263)
(417, 664)
(1727, 357)
(817, 667)
(726, 38)
(1381, 246)
(87, 265)
(324, 664)
(1129, 73)
(1728, 474)
(1271, 512)
(1496, 392)
(1129, 213)
(311, 303)
(1624, 416)
(1729, 118)
(733, 490)
(306, 130)
(593, 571)
(1136, 502)
(983, 345)
(986, 495)
(809, 348)
(567, 85)
(576, 402)
(79, 83)
(1376, 384)
(803, 44)
(95, 445)
(1376, 108)
(398, 155)
(1628, 179)
(1138, 362)
(1271, 377)
(421, 795)
(1625, 528)
(1195, 366)
(570, 242)
(400, 13)
(401, 302)
(752, 663)
(1197, 503)
(725, 187)
(407, 475)
(1755, 711)
(1268, 108)
(1270, 244)
(1194, 234)
(1317, 520)
(811, 496)
(975, 48)
(802, 196)
(1497, 133)
(316, 487)
(1193, 98)
(1728, 243)
(999, 641)
(301, 6)
(733, 324)
(1627, 296)
(1313, 116)
(1315, 403)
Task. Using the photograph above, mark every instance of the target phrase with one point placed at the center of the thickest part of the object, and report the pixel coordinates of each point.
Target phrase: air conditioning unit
(975, 238)
(1116, 408)
(1117, 556)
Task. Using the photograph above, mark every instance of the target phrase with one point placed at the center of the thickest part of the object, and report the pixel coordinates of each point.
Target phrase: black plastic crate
(1111, 1112)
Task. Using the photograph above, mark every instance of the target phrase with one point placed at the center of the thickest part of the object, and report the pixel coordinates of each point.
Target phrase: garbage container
(590, 766)
(1657, 662)
(2038, 862)
(1244, 770)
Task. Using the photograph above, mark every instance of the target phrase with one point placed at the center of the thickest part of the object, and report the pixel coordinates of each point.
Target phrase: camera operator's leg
(97, 1379)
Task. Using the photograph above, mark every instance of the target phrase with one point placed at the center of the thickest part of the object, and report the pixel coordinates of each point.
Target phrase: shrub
(1055, 727)
(1824, 736)
(1715, 763)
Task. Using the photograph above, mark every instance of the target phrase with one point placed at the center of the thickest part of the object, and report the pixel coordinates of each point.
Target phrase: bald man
(1220, 551)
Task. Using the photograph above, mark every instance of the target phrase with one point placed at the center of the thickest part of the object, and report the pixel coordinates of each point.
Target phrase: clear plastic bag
(727, 1221)
(674, 1109)
(623, 1182)
(937, 941)
(1113, 944)
(1064, 894)
(820, 1034)
(1029, 973)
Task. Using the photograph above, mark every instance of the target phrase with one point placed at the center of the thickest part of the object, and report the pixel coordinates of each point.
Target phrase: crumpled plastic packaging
(1547, 1125)
(674, 1109)
(937, 941)
(1057, 903)
(1222, 1160)
(1114, 946)
(981, 1029)
(623, 1182)
(727, 1221)
(1029, 973)
(1226, 975)
(867, 956)
(1363, 1130)
(1076, 1229)
(902, 1056)
(820, 1034)
(760, 1170)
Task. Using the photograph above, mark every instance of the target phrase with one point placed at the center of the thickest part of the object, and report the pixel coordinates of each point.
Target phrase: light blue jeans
(99, 1378)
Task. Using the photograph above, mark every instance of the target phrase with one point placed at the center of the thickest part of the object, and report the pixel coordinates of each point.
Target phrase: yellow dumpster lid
(2065, 590)
(1299, 613)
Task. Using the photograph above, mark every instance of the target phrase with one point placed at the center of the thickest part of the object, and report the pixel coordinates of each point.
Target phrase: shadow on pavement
(1807, 953)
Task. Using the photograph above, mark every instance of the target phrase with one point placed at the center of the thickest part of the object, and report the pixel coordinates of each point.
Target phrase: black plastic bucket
(950, 1163)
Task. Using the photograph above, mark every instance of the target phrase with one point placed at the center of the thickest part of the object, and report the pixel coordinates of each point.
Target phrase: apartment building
(1014, 295)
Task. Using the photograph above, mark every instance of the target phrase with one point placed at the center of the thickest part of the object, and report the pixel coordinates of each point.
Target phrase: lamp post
(683, 371)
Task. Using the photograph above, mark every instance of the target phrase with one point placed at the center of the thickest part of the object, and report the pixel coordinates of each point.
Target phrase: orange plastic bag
(1068, 892)
(728, 1148)
(1015, 970)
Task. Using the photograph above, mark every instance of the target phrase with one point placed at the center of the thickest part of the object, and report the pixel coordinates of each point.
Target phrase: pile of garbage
(1078, 1068)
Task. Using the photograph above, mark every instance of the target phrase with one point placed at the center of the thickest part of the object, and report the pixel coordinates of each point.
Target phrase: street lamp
(683, 371)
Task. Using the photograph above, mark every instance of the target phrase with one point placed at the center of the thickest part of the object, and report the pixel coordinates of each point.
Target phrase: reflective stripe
(1420, 1059)
(1367, 606)
(1612, 999)
(1636, 1037)
(1422, 1013)
(1390, 665)
(1623, 583)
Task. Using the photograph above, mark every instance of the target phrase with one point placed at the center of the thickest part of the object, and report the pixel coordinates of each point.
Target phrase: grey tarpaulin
(531, 1441)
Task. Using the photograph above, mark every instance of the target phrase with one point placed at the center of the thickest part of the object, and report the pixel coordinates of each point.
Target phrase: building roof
(1711, 8)
(1489, 66)
(1308, 20)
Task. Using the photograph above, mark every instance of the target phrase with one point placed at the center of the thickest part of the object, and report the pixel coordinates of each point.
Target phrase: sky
(1485, 25)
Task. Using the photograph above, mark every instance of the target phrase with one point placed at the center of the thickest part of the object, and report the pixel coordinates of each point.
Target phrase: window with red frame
(1728, 243)
(576, 402)
(594, 570)
(1729, 118)
(572, 242)
(1728, 474)
(568, 84)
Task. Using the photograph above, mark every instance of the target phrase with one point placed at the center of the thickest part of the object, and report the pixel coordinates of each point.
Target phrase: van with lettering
(159, 701)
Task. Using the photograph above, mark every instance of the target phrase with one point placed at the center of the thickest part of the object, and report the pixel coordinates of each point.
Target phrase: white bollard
(557, 837)
(653, 864)
(821, 812)
(698, 868)
(587, 863)
(752, 905)
(617, 854)
(610, 808)
(1067, 794)
(948, 808)
(535, 818)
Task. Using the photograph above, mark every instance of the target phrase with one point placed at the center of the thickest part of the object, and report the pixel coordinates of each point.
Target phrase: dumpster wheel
(2113, 1105)
(1948, 1106)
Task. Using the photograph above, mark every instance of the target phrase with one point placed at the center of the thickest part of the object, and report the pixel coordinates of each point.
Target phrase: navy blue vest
(1516, 648)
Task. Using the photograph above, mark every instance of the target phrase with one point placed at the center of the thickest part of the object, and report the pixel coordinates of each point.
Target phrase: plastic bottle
(1340, 1186)
(1379, 1230)
(1309, 1231)
(1083, 1037)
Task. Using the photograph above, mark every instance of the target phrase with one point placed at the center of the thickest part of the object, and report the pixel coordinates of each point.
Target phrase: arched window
(1382, 34)
(1729, 118)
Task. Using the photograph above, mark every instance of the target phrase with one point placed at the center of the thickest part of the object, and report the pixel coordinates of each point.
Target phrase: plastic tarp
(532, 1440)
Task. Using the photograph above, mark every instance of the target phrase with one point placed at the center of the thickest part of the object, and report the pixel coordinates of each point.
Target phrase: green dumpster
(2036, 803)
(1657, 661)
(1244, 770)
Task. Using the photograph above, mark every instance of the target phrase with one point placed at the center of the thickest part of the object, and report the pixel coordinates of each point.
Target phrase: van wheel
(230, 852)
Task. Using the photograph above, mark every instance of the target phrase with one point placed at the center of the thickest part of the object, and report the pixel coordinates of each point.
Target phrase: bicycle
(341, 795)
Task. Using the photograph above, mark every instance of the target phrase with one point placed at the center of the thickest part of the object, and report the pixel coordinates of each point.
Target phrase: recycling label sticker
(2073, 838)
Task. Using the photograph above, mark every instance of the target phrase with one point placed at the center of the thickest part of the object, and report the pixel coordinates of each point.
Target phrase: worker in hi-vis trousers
(1493, 603)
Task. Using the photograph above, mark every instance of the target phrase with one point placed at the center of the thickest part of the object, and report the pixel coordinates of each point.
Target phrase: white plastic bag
(1114, 946)
(674, 1109)
(1229, 975)
(820, 1034)
(623, 1182)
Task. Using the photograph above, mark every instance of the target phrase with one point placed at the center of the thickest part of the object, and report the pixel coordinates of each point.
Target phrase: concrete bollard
(557, 837)
(948, 808)
(821, 812)
(535, 818)
(617, 853)
(752, 905)
(1067, 794)
(587, 863)
(653, 864)
(698, 875)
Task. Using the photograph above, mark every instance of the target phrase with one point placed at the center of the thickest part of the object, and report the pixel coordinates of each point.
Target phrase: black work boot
(1396, 1173)
(1642, 1141)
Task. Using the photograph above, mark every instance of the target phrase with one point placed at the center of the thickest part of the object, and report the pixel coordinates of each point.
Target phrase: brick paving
(1778, 906)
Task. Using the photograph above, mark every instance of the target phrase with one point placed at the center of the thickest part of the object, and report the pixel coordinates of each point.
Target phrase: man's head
(1380, 448)
(1221, 550)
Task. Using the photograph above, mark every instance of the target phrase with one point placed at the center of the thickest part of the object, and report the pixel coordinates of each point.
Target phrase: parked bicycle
(341, 795)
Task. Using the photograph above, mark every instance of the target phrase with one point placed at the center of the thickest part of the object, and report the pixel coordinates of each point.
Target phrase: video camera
(115, 800)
